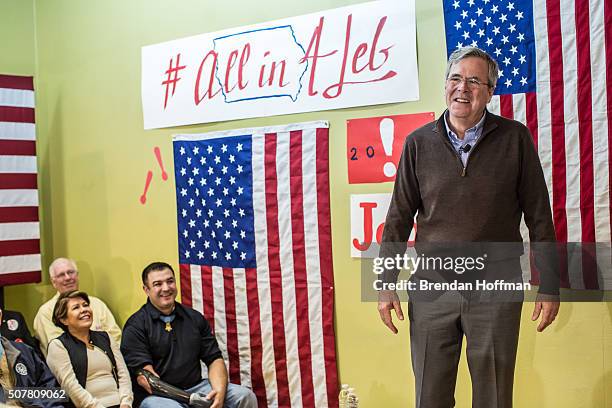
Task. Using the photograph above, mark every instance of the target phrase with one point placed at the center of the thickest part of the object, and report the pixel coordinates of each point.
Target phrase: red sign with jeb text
(374, 145)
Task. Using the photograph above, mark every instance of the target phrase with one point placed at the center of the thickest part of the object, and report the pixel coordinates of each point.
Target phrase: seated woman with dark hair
(87, 363)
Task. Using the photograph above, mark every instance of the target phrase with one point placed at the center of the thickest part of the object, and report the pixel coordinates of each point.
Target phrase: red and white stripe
(20, 260)
(275, 322)
(570, 117)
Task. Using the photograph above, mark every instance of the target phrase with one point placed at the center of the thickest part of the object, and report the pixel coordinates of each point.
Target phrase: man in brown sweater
(468, 177)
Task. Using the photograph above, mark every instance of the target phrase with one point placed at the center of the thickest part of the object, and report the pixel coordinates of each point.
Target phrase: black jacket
(15, 328)
(29, 371)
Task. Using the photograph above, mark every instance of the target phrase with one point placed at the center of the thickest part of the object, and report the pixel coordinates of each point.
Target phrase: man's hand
(142, 381)
(548, 310)
(387, 301)
(217, 397)
(217, 376)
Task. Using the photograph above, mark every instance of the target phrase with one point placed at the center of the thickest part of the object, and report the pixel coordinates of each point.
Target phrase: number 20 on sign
(374, 145)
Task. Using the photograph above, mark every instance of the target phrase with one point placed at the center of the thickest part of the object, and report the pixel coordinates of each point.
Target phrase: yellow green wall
(94, 155)
(17, 31)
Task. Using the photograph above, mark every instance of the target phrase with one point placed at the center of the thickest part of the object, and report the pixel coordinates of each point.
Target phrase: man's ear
(490, 91)
(145, 289)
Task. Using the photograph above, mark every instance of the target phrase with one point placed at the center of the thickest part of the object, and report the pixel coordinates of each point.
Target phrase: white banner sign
(352, 56)
(368, 213)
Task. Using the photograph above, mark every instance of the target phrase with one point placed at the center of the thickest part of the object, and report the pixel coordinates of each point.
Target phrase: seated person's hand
(216, 397)
(142, 380)
(199, 400)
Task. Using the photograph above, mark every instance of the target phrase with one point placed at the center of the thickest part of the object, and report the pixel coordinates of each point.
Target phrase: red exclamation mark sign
(386, 128)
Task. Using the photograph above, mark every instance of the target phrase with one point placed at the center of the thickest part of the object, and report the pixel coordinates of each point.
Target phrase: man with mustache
(169, 341)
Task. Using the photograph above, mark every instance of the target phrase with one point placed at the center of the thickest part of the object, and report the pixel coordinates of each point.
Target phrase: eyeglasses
(471, 82)
(62, 275)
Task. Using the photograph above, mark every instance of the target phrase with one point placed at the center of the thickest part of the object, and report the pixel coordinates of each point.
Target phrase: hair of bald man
(58, 261)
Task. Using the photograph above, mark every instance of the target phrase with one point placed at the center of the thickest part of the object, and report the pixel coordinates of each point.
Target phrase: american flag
(555, 61)
(255, 256)
(19, 227)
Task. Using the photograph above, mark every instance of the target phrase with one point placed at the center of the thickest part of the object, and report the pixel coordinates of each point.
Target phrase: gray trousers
(436, 333)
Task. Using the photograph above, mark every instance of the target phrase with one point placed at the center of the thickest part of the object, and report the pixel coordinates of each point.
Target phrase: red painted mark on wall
(143, 197)
(164, 174)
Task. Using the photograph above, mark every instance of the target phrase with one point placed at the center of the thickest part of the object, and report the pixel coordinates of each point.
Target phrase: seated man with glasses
(65, 278)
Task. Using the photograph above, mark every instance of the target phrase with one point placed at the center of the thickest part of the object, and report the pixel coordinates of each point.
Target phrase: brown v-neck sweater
(480, 202)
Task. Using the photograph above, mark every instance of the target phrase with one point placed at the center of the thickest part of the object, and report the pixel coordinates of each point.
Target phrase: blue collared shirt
(471, 137)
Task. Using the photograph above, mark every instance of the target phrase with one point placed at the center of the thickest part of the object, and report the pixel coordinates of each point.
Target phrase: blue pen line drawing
(293, 98)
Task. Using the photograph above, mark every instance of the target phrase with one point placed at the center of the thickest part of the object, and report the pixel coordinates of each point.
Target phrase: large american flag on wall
(555, 59)
(19, 228)
(255, 256)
